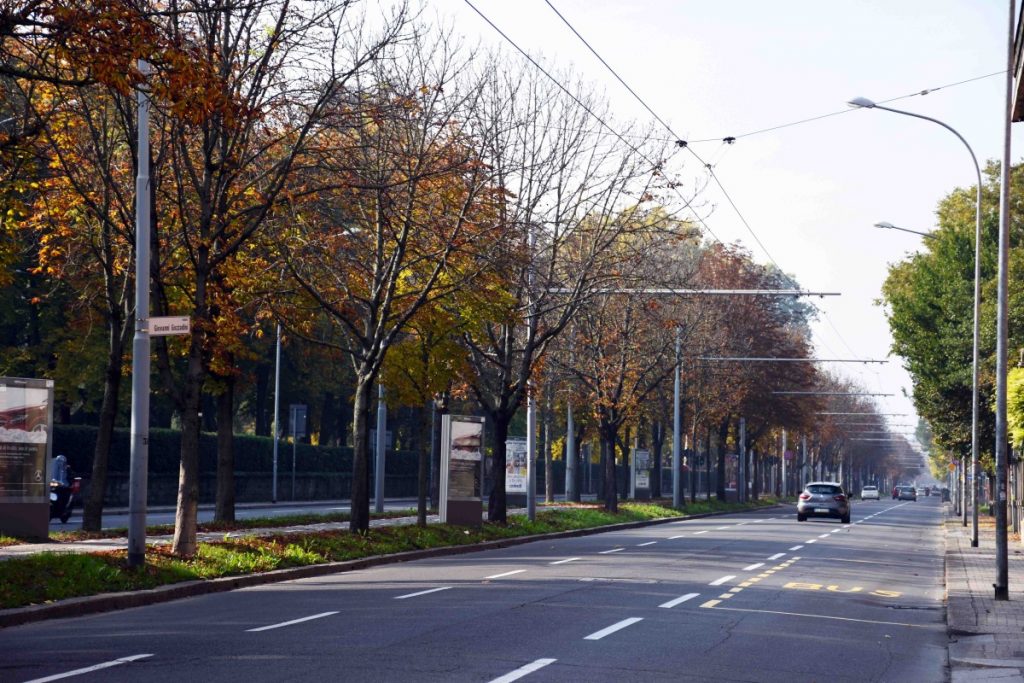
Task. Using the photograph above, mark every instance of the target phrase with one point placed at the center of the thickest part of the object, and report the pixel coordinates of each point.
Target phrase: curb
(106, 602)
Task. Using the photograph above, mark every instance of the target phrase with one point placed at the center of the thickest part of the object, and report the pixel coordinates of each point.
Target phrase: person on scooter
(63, 488)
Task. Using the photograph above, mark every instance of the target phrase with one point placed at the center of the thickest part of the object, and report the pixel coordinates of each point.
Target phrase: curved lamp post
(865, 103)
(886, 225)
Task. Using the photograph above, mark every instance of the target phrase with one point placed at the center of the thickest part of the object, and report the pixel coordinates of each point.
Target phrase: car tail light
(805, 496)
(840, 498)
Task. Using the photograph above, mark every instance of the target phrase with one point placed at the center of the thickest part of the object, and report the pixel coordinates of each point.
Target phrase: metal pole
(570, 455)
(741, 476)
(277, 413)
(963, 490)
(139, 464)
(295, 445)
(1002, 590)
(378, 475)
(785, 481)
(803, 462)
(531, 452)
(677, 428)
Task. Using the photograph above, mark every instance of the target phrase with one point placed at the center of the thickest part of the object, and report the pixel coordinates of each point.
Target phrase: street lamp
(886, 225)
(864, 103)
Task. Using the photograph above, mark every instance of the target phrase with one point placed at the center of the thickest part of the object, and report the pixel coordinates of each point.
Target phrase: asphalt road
(745, 597)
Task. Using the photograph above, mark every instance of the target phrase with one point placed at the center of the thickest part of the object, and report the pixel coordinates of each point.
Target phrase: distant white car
(869, 493)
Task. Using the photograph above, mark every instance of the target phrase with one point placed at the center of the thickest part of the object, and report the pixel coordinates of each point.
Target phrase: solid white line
(598, 635)
(672, 538)
(719, 582)
(752, 567)
(289, 623)
(678, 601)
(613, 550)
(524, 670)
(88, 669)
(777, 556)
(641, 545)
(697, 533)
(571, 559)
(796, 547)
(413, 595)
(503, 574)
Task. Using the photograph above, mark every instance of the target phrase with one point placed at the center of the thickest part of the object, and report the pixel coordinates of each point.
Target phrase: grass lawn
(46, 577)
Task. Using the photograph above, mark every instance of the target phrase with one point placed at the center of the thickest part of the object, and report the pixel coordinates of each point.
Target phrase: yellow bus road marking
(711, 603)
(822, 616)
(834, 588)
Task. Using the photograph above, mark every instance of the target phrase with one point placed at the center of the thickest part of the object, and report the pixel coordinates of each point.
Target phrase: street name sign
(168, 325)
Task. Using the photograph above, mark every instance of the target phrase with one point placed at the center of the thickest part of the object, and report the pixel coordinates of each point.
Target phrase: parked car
(869, 493)
(908, 493)
(823, 499)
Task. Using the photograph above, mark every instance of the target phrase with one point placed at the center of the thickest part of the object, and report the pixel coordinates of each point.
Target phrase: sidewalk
(986, 637)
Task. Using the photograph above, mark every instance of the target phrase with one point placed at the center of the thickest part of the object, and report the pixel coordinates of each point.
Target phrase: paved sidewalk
(986, 637)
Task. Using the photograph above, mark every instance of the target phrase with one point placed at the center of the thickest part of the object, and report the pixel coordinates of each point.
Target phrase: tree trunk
(611, 497)
(497, 501)
(440, 407)
(225, 509)
(92, 515)
(188, 474)
(360, 514)
(423, 474)
(723, 433)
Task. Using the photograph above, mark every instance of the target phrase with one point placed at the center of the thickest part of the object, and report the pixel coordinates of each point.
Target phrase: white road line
(641, 545)
(719, 582)
(698, 533)
(613, 550)
(778, 555)
(835, 531)
(822, 535)
(678, 601)
(289, 623)
(758, 521)
(78, 672)
(413, 595)
(524, 670)
(672, 538)
(796, 547)
(752, 567)
(504, 574)
(721, 528)
(571, 559)
(813, 540)
(598, 635)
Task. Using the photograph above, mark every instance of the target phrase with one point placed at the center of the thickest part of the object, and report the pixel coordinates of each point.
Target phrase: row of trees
(410, 211)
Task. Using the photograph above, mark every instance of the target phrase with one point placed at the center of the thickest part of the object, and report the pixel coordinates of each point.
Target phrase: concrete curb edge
(106, 602)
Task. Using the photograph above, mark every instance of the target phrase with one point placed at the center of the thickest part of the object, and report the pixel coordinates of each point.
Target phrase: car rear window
(870, 488)
(824, 488)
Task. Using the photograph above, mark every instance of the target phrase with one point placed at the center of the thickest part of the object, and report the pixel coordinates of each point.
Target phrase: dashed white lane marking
(613, 550)
(778, 555)
(598, 635)
(96, 667)
(758, 521)
(719, 582)
(698, 533)
(822, 535)
(413, 595)
(835, 531)
(722, 528)
(641, 545)
(678, 601)
(672, 538)
(796, 547)
(504, 574)
(524, 670)
(812, 540)
(571, 559)
(752, 567)
(293, 621)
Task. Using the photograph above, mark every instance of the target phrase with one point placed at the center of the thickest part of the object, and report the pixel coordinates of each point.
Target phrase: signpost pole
(378, 474)
(570, 455)
(139, 464)
(277, 413)
(677, 427)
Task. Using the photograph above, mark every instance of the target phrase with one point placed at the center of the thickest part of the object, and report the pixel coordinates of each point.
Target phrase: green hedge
(252, 453)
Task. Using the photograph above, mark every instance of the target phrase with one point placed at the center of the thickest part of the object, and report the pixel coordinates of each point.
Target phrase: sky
(810, 192)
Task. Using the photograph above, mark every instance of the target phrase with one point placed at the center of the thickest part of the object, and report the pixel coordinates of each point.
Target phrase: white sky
(717, 68)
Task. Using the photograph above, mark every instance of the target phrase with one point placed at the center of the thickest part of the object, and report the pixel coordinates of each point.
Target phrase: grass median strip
(48, 577)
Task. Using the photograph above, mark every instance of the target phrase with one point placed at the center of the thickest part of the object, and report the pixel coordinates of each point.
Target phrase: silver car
(823, 499)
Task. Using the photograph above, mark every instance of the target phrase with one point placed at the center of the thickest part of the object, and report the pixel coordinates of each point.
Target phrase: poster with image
(515, 465)
(25, 424)
(465, 479)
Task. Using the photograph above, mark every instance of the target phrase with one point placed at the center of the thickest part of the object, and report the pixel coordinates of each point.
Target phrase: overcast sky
(811, 192)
